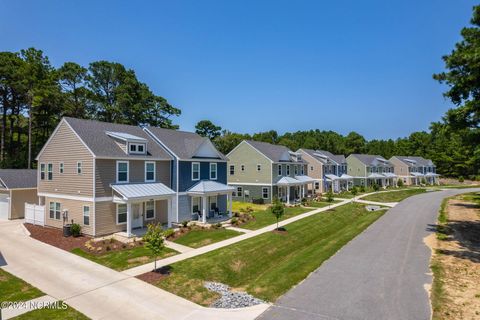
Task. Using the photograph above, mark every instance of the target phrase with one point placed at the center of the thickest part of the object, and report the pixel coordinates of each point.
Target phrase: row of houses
(113, 178)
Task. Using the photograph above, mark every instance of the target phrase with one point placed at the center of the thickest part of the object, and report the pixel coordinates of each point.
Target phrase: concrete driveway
(97, 291)
(381, 274)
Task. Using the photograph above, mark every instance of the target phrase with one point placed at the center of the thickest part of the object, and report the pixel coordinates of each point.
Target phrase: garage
(17, 187)
(4, 206)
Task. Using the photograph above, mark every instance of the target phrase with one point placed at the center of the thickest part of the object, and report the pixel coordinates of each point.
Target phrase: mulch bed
(155, 276)
(281, 231)
(54, 237)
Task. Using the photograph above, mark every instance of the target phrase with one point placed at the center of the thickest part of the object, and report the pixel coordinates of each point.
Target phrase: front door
(137, 217)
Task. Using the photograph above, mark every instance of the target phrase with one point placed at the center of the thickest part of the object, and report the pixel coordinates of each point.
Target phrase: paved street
(381, 274)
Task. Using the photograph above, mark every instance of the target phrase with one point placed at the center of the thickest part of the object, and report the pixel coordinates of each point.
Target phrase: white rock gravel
(229, 298)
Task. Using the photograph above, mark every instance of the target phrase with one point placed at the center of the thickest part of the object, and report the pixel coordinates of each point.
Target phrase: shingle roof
(370, 159)
(94, 135)
(18, 178)
(419, 161)
(274, 152)
(338, 158)
(183, 144)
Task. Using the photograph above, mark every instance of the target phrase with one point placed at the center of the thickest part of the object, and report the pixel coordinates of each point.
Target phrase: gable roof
(414, 161)
(96, 135)
(338, 158)
(182, 144)
(18, 178)
(274, 152)
(371, 160)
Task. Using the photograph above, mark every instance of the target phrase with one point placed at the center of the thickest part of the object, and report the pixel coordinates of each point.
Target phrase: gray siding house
(260, 171)
(413, 170)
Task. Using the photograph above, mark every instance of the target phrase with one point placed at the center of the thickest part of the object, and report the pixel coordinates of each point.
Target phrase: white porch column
(288, 194)
(169, 212)
(229, 199)
(204, 209)
(129, 219)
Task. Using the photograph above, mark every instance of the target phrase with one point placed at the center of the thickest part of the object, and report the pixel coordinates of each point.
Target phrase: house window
(61, 168)
(317, 185)
(54, 210)
(296, 170)
(121, 213)
(213, 171)
(50, 171)
(42, 171)
(279, 169)
(265, 193)
(79, 167)
(303, 172)
(122, 171)
(136, 148)
(149, 171)
(195, 171)
(232, 170)
(288, 170)
(242, 167)
(311, 168)
(259, 167)
(239, 191)
(150, 210)
(196, 205)
(86, 215)
(213, 203)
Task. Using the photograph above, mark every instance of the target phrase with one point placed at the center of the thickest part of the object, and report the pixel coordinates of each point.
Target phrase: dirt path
(456, 263)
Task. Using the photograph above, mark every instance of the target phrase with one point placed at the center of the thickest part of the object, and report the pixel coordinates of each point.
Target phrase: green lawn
(393, 196)
(265, 217)
(15, 289)
(319, 204)
(52, 314)
(200, 238)
(237, 205)
(268, 265)
(124, 259)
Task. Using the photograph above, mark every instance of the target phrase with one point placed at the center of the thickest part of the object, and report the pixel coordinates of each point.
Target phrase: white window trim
(61, 168)
(44, 171)
(287, 171)
(268, 193)
(136, 148)
(116, 214)
(230, 170)
(83, 215)
(128, 172)
(196, 163)
(213, 164)
(242, 168)
(210, 202)
(154, 170)
(199, 204)
(55, 210)
(280, 170)
(241, 191)
(49, 165)
(81, 168)
(154, 210)
(259, 167)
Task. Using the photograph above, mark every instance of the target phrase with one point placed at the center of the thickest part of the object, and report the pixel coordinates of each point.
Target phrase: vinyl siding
(66, 147)
(19, 197)
(75, 213)
(355, 167)
(246, 155)
(255, 193)
(185, 173)
(316, 173)
(185, 206)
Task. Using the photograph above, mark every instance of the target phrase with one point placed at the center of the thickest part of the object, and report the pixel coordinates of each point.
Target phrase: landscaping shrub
(423, 181)
(258, 201)
(304, 201)
(234, 221)
(168, 233)
(400, 182)
(362, 188)
(461, 179)
(375, 187)
(354, 191)
(184, 223)
(217, 225)
(76, 229)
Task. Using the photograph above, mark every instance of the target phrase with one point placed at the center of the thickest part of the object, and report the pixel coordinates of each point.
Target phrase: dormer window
(136, 148)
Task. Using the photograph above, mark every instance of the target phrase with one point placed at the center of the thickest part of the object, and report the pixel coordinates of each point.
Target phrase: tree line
(34, 96)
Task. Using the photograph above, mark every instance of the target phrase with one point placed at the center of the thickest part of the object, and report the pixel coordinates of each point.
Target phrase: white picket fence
(34, 214)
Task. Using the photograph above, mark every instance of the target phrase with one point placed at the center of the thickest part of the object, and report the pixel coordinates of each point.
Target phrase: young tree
(206, 128)
(329, 198)
(354, 192)
(277, 209)
(154, 240)
(400, 183)
(375, 187)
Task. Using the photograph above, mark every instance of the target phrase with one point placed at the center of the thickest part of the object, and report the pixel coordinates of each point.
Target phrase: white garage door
(3, 207)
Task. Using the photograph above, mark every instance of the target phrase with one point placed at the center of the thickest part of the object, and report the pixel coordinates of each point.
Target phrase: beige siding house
(260, 171)
(17, 187)
(106, 177)
(413, 170)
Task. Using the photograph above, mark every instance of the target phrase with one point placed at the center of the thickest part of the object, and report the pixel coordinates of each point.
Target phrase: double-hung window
(279, 169)
(288, 169)
(149, 171)
(213, 171)
(239, 191)
(42, 171)
(150, 210)
(86, 215)
(195, 171)
(79, 167)
(232, 170)
(242, 167)
(296, 170)
(61, 167)
(54, 212)
(50, 171)
(265, 193)
(122, 171)
(121, 213)
(259, 167)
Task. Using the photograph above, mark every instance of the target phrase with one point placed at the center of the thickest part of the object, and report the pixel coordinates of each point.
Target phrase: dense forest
(34, 96)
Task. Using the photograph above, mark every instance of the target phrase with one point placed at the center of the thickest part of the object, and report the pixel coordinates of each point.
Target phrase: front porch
(294, 189)
(204, 198)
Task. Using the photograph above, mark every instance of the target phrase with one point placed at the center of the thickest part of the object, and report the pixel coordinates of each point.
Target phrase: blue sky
(252, 66)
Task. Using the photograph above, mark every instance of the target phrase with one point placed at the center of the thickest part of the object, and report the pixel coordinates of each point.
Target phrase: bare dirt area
(456, 262)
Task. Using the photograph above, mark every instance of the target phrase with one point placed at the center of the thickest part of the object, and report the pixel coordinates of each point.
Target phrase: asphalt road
(381, 274)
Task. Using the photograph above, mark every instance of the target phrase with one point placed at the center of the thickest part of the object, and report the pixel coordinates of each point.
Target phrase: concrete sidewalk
(95, 290)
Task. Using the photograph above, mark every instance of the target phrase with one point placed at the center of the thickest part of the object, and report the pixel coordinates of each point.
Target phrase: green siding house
(260, 171)
(367, 170)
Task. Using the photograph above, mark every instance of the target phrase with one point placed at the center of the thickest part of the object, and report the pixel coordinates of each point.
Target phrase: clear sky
(252, 66)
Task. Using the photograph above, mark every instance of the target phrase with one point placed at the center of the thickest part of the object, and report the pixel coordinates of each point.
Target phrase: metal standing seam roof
(95, 135)
(304, 178)
(416, 174)
(390, 175)
(131, 191)
(289, 181)
(376, 175)
(18, 178)
(332, 177)
(208, 186)
(183, 144)
(431, 174)
(346, 177)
